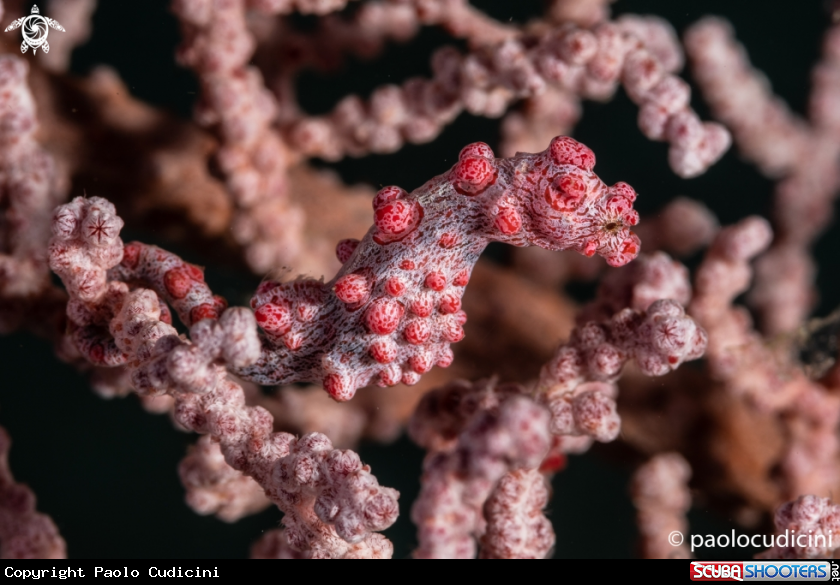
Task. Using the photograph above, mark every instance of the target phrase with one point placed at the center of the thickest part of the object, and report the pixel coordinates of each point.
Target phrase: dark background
(106, 470)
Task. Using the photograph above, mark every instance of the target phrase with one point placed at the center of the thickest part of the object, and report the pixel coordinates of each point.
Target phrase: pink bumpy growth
(662, 497)
(24, 532)
(516, 525)
(394, 307)
(85, 245)
(815, 519)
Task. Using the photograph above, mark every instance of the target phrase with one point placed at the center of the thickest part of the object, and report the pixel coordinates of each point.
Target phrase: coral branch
(809, 519)
(803, 154)
(516, 525)
(461, 20)
(681, 228)
(585, 13)
(30, 186)
(24, 533)
(586, 63)
(662, 499)
(214, 487)
(332, 502)
(217, 45)
(318, 484)
(75, 16)
(764, 129)
(578, 386)
(494, 430)
(765, 375)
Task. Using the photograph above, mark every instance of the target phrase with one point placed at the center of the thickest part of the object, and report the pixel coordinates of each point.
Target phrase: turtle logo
(35, 30)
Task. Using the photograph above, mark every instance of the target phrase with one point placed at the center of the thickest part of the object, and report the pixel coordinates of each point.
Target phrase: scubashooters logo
(758, 570)
(35, 30)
